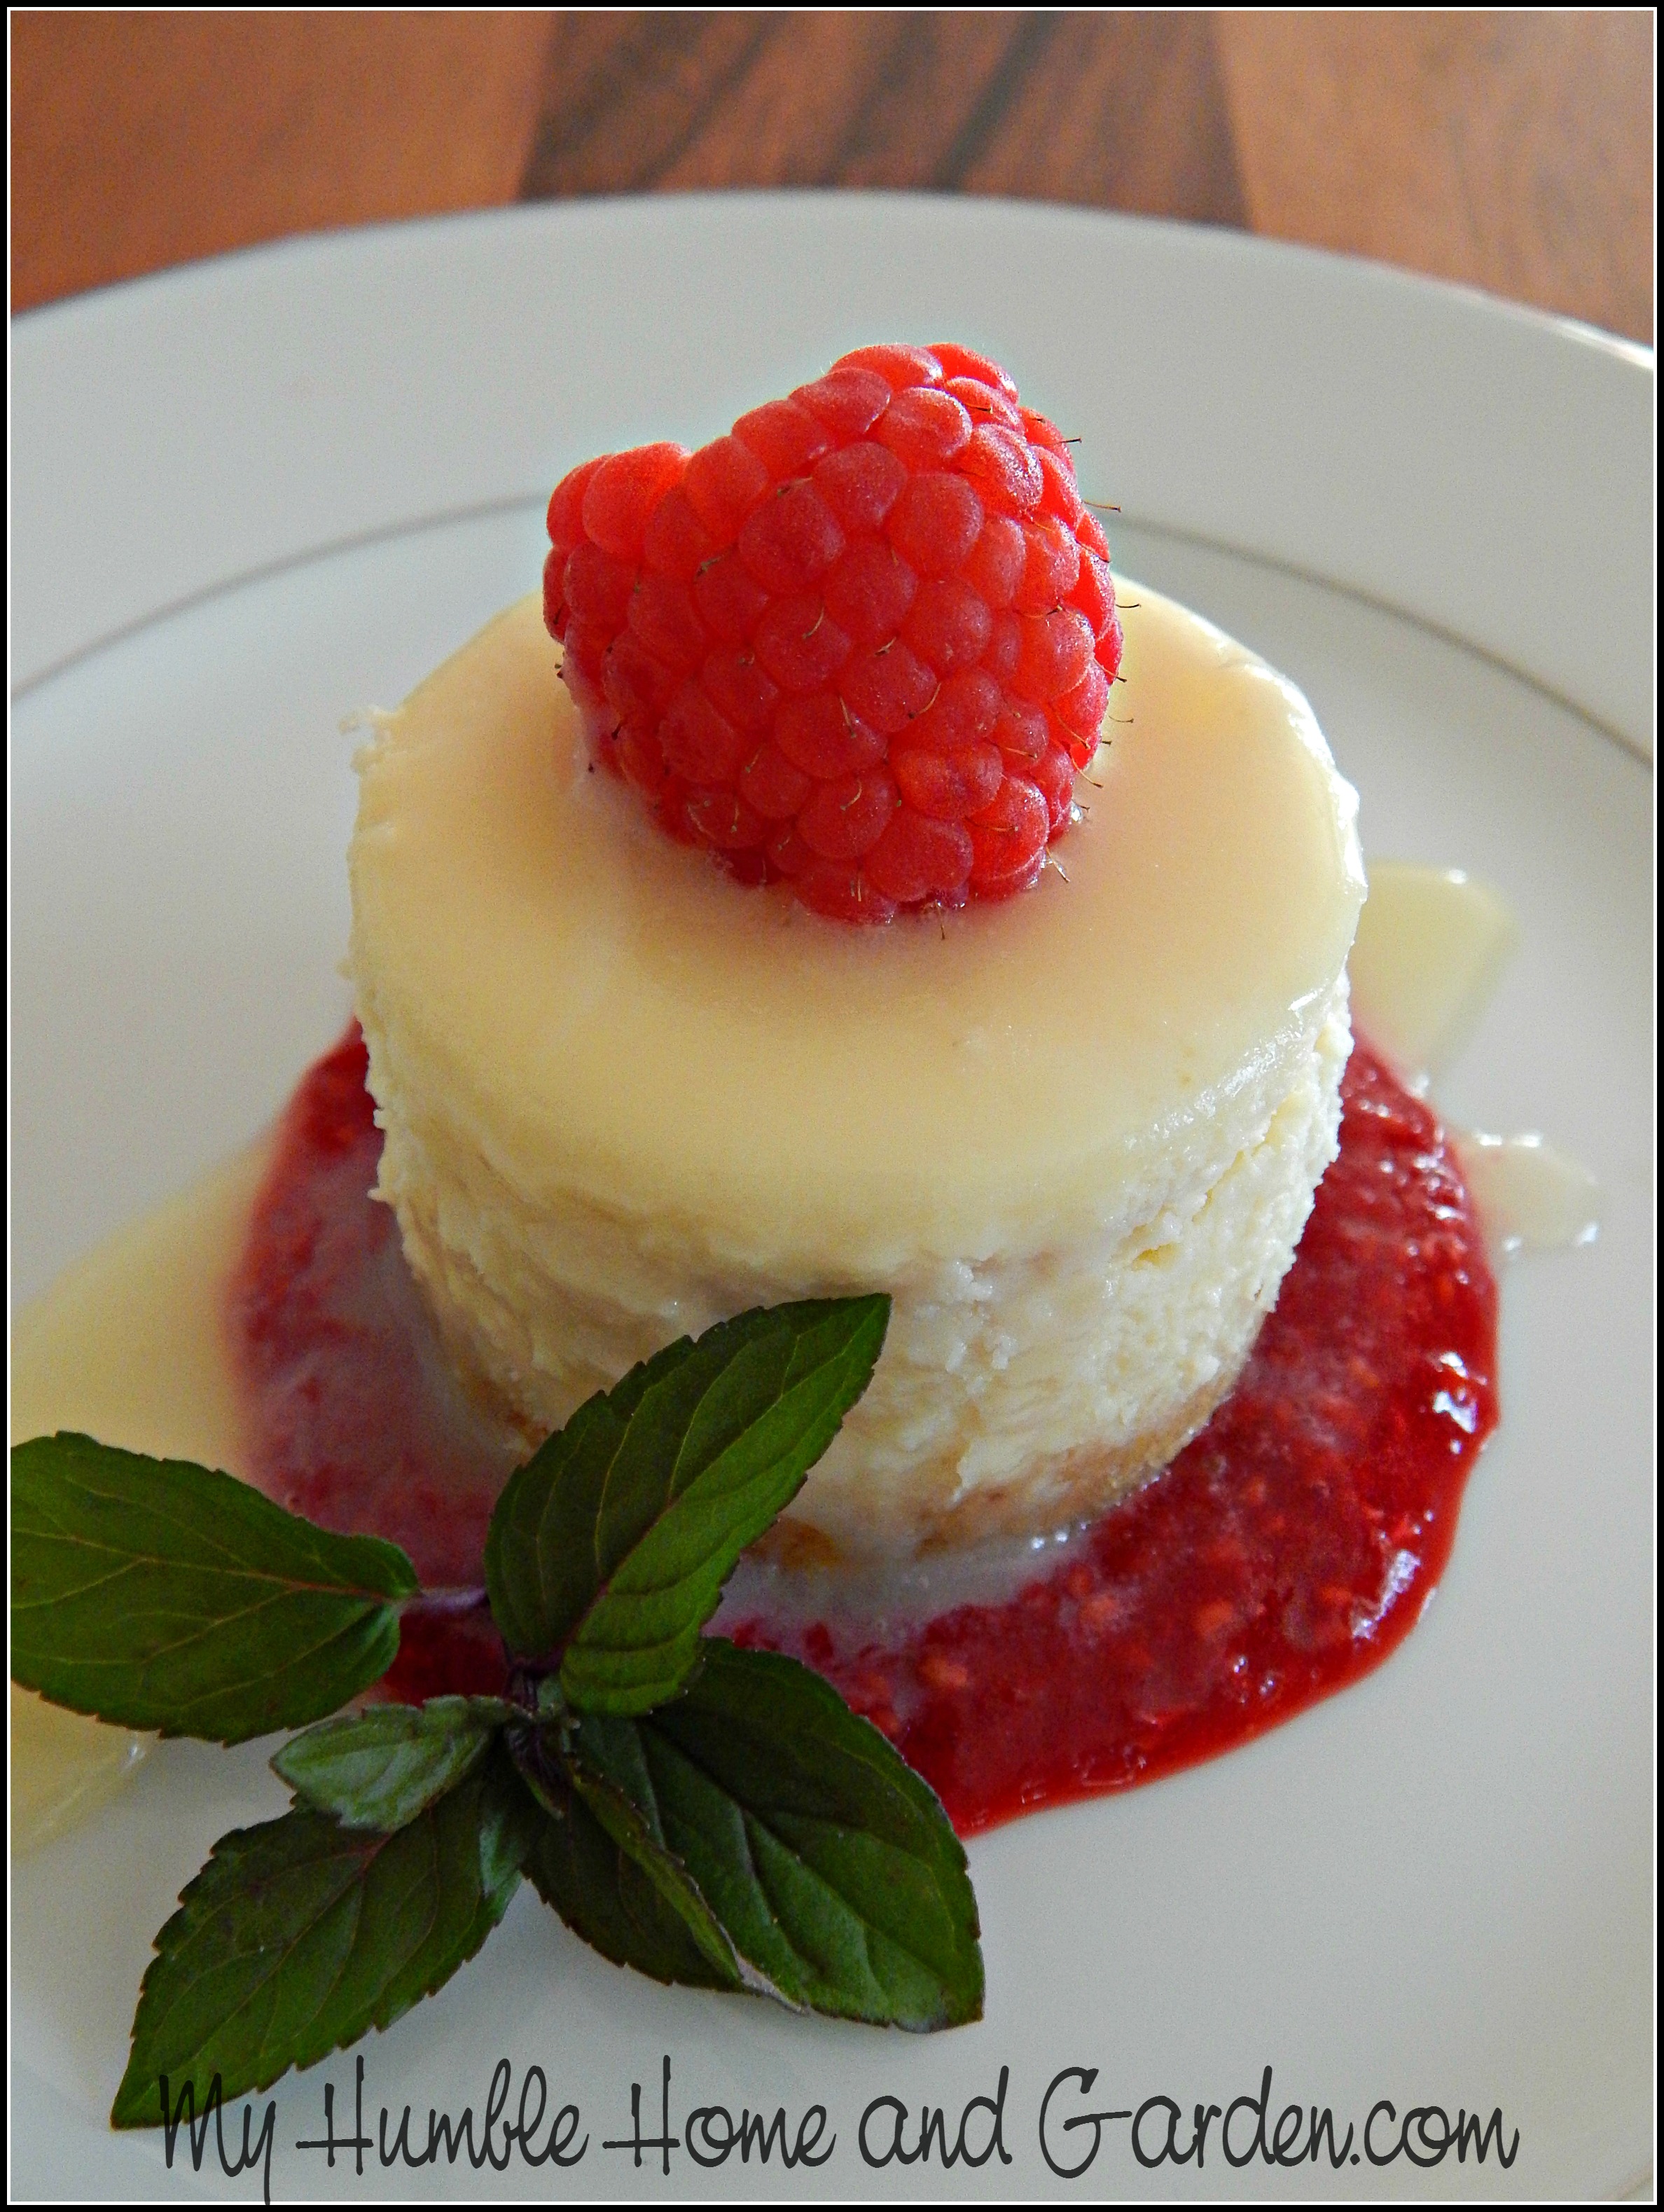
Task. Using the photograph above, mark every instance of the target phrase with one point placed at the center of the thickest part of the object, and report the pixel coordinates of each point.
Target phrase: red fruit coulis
(1284, 1552)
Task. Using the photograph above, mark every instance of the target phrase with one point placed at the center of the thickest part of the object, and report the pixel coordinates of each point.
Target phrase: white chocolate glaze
(601, 1013)
(1431, 944)
(1531, 1197)
(128, 1347)
(1074, 1137)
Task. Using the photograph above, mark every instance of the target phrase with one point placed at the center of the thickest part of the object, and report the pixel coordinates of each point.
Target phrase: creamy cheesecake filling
(1015, 1393)
(1075, 1136)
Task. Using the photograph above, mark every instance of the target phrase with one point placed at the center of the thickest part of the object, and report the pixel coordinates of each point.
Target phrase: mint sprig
(706, 1815)
(300, 1934)
(825, 1859)
(161, 1594)
(621, 1805)
(379, 1769)
(609, 1899)
(609, 1549)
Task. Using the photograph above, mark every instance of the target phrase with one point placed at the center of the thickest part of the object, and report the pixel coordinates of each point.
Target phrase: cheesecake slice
(1075, 1135)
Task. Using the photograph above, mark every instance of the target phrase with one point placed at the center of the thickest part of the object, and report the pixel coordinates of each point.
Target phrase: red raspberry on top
(863, 643)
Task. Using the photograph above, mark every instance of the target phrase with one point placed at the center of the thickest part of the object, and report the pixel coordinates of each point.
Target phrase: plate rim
(1593, 389)
(444, 224)
(342, 236)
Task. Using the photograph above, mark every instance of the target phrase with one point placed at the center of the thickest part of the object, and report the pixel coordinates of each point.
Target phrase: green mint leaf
(379, 1769)
(830, 1864)
(612, 1544)
(301, 1934)
(164, 1595)
(604, 1897)
(602, 1864)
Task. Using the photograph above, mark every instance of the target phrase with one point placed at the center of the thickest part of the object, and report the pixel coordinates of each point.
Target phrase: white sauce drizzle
(1431, 945)
(1531, 1198)
(128, 1345)
(867, 1601)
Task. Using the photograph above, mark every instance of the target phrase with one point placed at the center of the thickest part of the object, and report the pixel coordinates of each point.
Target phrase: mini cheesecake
(1074, 1134)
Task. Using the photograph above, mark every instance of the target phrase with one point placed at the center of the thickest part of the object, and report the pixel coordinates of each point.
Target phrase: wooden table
(1512, 151)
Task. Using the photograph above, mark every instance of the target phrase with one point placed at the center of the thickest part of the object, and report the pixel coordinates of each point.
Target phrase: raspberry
(860, 646)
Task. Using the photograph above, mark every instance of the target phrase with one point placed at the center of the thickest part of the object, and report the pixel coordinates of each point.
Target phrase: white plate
(255, 495)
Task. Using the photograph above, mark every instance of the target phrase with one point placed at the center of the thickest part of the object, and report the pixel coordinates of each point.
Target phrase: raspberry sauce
(1286, 1552)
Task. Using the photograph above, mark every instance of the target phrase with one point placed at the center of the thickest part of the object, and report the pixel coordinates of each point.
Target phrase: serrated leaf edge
(830, 1376)
(381, 2018)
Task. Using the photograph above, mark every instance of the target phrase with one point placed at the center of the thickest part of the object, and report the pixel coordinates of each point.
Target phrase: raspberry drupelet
(862, 644)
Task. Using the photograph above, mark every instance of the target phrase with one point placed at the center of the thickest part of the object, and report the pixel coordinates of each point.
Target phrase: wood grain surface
(1509, 150)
